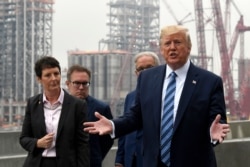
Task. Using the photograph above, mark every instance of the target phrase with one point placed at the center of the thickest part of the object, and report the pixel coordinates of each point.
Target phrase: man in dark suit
(198, 100)
(130, 145)
(52, 128)
(78, 82)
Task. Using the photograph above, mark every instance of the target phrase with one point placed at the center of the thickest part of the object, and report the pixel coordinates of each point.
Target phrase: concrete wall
(239, 129)
(233, 152)
(11, 153)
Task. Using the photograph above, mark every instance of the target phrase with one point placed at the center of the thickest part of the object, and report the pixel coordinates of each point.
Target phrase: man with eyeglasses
(78, 82)
(129, 146)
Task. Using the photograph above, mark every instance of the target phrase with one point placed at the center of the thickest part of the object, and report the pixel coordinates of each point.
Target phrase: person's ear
(67, 82)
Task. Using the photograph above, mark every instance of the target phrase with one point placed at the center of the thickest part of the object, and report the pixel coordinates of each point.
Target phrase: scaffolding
(25, 36)
(133, 25)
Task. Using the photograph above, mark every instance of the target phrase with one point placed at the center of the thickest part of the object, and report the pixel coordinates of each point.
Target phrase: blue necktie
(167, 120)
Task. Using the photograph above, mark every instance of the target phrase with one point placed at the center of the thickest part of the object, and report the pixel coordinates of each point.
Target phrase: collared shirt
(180, 80)
(52, 114)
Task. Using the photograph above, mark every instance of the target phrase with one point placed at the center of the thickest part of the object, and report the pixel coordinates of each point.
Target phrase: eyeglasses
(139, 69)
(77, 84)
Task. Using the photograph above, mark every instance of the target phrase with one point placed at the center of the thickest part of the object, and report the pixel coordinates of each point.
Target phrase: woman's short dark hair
(46, 62)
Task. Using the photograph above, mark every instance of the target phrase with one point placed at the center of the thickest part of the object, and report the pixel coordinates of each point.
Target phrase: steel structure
(225, 63)
(110, 81)
(26, 35)
(236, 105)
(133, 25)
(242, 104)
(170, 10)
(200, 28)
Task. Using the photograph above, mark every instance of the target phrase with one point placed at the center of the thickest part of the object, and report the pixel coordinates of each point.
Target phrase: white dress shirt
(52, 113)
(180, 80)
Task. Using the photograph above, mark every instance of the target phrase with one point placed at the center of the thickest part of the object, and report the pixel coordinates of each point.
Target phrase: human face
(81, 91)
(144, 62)
(175, 49)
(50, 79)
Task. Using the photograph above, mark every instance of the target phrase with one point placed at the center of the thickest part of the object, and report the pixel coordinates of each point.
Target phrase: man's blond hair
(173, 29)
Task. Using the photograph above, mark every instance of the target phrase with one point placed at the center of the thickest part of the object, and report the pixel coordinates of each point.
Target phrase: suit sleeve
(83, 155)
(120, 154)
(119, 159)
(218, 106)
(106, 141)
(218, 103)
(27, 138)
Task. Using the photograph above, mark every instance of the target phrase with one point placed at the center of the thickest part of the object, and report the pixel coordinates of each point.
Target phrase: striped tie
(167, 120)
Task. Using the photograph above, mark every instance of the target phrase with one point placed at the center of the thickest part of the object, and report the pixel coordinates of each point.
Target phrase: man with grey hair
(129, 146)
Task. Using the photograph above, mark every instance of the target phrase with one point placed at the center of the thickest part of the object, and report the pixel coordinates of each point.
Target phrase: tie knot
(173, 74)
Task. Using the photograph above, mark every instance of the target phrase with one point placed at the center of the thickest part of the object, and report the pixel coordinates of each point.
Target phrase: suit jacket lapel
(39, 114)
(158, 80)
(65, 110)
(189, 86)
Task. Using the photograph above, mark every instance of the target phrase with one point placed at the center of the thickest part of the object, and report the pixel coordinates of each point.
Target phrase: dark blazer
(99, 145)
(72, 149)
(129, 146)
(201, 100)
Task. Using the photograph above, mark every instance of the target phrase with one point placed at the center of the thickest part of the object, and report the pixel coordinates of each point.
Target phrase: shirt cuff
(214, 141)
(112, 135)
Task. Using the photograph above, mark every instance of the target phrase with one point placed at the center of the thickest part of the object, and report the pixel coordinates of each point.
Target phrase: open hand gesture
(219, 131)
(102, 126)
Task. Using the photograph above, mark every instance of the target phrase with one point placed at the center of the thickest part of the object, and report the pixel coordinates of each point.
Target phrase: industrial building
(133, 27)
(26, 35)
(113, 74)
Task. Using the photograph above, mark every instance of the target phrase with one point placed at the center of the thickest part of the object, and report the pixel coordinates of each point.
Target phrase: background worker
(129, 146)
(78, 82)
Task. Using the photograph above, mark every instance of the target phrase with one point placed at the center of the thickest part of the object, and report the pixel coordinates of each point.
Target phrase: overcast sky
(80, 24)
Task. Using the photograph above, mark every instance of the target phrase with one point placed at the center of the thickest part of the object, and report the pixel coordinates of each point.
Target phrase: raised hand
(219, 131)
(102, 126)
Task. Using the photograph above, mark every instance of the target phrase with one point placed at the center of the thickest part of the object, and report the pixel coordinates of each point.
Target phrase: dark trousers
(48, 162)
(134, 161)
(160, 164)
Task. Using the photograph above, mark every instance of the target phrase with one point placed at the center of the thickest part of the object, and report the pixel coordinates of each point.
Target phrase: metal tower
(133, 25)
(26, 35)
(200, 28)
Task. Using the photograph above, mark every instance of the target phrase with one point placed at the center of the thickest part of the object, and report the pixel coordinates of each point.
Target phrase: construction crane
(225, 60)
(239, 30)
(233, 104)
(179, 22)
(200, 29)
(244, 74)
